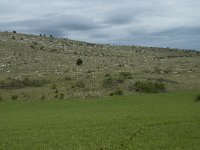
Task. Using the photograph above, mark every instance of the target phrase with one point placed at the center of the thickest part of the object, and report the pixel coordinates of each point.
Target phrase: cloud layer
(172, 23)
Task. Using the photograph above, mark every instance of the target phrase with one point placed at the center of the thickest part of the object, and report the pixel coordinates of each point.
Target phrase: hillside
(49, 67)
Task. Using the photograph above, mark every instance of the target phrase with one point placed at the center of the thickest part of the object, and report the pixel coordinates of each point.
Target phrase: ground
(141, 121)
(48, 101)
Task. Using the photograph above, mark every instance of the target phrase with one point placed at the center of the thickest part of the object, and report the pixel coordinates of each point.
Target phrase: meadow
(141, 121)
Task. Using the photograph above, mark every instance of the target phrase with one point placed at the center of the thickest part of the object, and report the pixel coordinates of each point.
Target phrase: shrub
(14, 97)
(108, 83)
(33, 83)
(197, 98)
(13, 37)
(32, 46)
(42, 47)
(149, 87)
(120, 80)
(117, 92)
(126, 75)
(68, 78)
(112, 82)
(1, 98)
(61, 96)
(26, 82)
(56, 96)
(56, 91)
(53, 86)
(107, 75)
(14, 31)
(80, 84)
(79, 61)
(43, 97)
(35, 43)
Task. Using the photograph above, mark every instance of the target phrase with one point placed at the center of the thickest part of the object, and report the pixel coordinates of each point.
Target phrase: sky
(160, 23)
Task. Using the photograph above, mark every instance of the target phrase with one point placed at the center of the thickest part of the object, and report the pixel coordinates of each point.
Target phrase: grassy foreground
(142, 121)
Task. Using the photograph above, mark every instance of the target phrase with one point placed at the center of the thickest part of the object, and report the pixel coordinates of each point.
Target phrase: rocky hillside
(49, 67)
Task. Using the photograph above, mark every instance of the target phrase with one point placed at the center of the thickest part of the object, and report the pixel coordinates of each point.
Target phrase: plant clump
(117, 92)
(79, 62)
(25, 82)
(1, 98)
(197, 98)
(14, 97)
(149, 87)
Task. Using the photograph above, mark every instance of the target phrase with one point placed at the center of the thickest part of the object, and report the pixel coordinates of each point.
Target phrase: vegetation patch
(79, 84)
(126, 75)
(14, 97)
(79, 61)
(117, 92)
(149, 87)
(61, 96)
(113, 82)
(126, 123)
(197, 98)
(26, 82)
(1, 98)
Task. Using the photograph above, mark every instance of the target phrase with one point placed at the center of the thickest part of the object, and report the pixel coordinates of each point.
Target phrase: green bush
(13, 37)
(34, 82)
(14, 97)
(79, 84)
(26, 82)
(149, 87)
(53, 86)
(109, 83)
(68, 78)
(126, 75)
(1, 98)
(117, 92)
(79, 61)
(112, 82)
(61, 96)
(197, 98)
(43, 97)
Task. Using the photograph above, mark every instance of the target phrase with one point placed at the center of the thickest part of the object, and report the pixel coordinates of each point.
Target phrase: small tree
(14, 31)
(62, 95)
(149, 87)
(197, 98)
(1, 98)
(14, 97)
(79, 61)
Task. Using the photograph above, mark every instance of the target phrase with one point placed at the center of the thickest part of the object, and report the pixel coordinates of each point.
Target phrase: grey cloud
(119, 18)
(182, 37)
(54, 24)
(100, 35)
(143, 22)
(181, 31)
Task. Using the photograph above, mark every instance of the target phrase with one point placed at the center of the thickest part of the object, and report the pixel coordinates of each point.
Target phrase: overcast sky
(163, 23)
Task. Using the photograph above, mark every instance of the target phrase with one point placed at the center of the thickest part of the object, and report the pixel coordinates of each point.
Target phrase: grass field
(142, 121)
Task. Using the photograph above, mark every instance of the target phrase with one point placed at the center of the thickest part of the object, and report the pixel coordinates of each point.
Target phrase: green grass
(142, 121)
